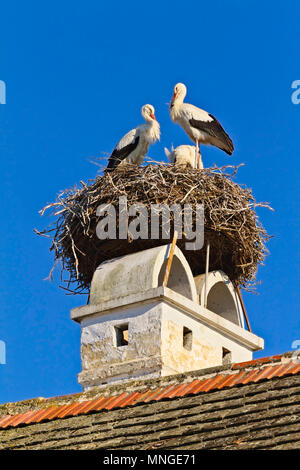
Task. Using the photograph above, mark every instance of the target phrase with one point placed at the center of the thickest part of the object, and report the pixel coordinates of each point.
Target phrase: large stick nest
(237, 238)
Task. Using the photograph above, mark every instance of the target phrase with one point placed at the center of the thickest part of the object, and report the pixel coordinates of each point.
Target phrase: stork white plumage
(201, 126)
(184, 156)
(133, 147)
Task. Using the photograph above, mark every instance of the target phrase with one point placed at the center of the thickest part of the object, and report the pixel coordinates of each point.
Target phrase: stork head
(148, 112)
(179, 93)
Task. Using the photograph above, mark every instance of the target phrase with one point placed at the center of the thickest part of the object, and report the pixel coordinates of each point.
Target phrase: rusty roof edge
(137, 385)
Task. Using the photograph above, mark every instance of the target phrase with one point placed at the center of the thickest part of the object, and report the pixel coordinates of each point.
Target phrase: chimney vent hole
(187, 338)
(121, 335)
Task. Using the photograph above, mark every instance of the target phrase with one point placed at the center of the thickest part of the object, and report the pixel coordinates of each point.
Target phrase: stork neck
(152, 131)
(179, 99)
(175, 109)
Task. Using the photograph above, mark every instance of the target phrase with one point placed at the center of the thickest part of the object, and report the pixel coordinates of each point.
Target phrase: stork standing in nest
(133, 147)
(184, 156)
(201, 126)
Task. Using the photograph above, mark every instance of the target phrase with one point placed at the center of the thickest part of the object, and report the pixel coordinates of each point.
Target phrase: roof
(248, 405)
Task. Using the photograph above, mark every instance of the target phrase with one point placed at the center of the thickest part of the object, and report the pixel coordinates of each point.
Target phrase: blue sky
(77, 74)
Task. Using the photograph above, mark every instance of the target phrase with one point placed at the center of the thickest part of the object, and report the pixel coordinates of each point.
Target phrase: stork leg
(199, 157)
(196, 154)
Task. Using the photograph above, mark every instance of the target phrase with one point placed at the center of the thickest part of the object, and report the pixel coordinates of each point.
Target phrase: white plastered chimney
(134, 327)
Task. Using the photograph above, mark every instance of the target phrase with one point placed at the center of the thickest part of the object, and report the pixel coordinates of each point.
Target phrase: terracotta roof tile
(133, 398)
(225, 381)
(114, 403)
(295, 369)
(164, 392)
(29, 416)
(150, 395)
(93, 404)
(60, 411)
(262, 374)
(11, 420)
(199, 386)
(273, 371)
(212, 383)
(67, 411)
(4, 420)
(79, 408)
(45, 414)
(283, 370)
(249, 377)
(236, 379)
(257, 362)
(102, 405)
(175, 390)
(187, 388)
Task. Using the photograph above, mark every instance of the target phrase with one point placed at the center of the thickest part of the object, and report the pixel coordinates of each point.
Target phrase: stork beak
(153, 116)
(173, 99)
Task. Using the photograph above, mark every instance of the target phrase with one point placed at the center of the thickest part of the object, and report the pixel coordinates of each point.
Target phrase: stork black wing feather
(214, 129)
(120, 154)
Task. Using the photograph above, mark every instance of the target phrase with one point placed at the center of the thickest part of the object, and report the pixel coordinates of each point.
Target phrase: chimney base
(153, 334)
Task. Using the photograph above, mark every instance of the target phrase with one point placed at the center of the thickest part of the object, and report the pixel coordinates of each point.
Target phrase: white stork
(201, 127)
(184, 156)
(133, 147)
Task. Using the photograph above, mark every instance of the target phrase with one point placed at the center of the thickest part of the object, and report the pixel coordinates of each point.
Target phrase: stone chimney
(134, 327)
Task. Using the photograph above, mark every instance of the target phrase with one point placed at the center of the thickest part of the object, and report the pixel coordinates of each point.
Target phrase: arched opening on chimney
(178, 279)
(220, 301)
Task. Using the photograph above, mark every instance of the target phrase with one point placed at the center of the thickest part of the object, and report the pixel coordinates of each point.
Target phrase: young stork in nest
(184, 156)
(201, 127)
(133, 147)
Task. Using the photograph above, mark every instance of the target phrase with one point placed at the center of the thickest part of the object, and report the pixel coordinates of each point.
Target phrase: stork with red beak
(201, 127)
(133, 147)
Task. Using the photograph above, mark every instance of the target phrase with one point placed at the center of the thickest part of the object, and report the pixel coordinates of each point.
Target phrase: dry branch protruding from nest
(237, 238)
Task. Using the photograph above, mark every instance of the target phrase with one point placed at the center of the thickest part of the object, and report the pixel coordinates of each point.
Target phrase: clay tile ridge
(239, 374)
